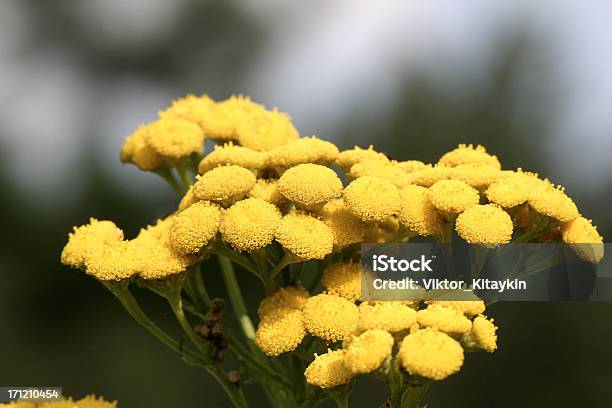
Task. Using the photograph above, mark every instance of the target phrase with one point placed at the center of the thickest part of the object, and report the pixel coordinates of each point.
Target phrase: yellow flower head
(390, 316)
(91, 401)
(309, 185)
(187, 200)
(486, 225)
(330, 317)
(467, 307)
(582, 235)
(372, 198)
(280, 331)
(87, 239)
(304, 236)
(514, 188)
(64, 403)
(453, 196)
(553, 203)
(224, 185)
(383, 168)
(428, 176)
(174, 138)
(193, 108)
(483, 334)
(417, 213)
(468, 154)
(194, 227)
(232, 154)
(289, 297)
(225, 117)
(344, 225)
(304, 150)
(328, 370)
(479, 176)
(410, 166)
(343, 279)
(267, 190)
(431, 354)
(348, 158)
(136, 150)
(250, 224)
(266, 130)
(445, 319)
(368, 351)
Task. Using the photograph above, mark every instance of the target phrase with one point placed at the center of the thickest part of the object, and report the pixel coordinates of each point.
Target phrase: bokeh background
(529, 79)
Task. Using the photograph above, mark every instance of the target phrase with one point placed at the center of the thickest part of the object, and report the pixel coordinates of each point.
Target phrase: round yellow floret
(410, 166)
(554, 203)
(348, 158)
(136, 150)
(328, 370)
(310, 185)
(417, 213)
(250, 224)
(453, 196)
(428, 176)
(190, 107)
(174, 138)
(431, 354)
(87, 239)
(479, 176)
(343, 279)
(232, 154)
(515, 188)
(444, 319)
(368, 351)
(227, 115)
(344, 225)
(483, 334)
(330, 317)
(583, 237)
(486, 225)
(280, 331)
(390, 316)
(305, 236)
(372, 198)
(383, 168)
(469, 154)
(224, 184)
(467, 307)
(267, 190)
(194, 227)
(91, 401)
(266, 130)
(289, 297)
(304, 150)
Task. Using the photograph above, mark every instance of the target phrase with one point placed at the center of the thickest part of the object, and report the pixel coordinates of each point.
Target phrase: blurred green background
(413, 79)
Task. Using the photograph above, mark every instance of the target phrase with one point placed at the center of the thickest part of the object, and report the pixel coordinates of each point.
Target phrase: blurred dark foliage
(60, 327)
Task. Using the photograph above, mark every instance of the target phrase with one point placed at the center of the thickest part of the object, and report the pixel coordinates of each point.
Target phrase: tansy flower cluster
(271, 201)
(90, 401)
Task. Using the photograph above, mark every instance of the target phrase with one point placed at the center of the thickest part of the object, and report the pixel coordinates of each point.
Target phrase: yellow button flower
(344, 225)
(444, 319)
(372, 198)
(136, 150)
(343, 279)
(430, 354)
(417, 213)
(469, 154)
(467, 307)
(193, 108)
(383, 168)
(430, 175)
(232, 154)
(389, 316)
(410, 166)
(224, 185)
(482, 334)
(486, 225)
(88, 238)
(368, 351)
(227, 115)
(267, 190)
(280, 331)
(453, 196)
(479, 176)
(330, 317)
(348, 158)
(188, 199)
(304, 236)
(174, 138)
(266, 130)
(304, 150)
(554, 203)
(250, 224)
(309, 185)
(194, 227)
(584, 239)
(289, 297)
(328, 370)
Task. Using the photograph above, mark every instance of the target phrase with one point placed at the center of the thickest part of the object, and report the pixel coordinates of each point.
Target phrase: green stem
(285, 261)
(182, 171)
(167, 175)
(235, 295)
(413, 395)
(197, 283)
